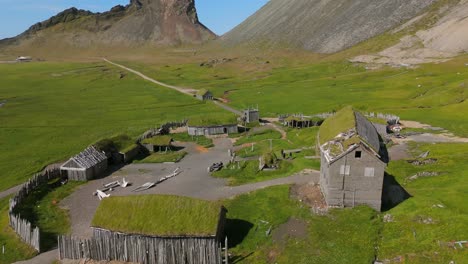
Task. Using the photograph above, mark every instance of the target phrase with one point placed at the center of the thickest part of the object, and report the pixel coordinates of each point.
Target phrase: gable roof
(86, 159)
(344, 131)
(203, 92)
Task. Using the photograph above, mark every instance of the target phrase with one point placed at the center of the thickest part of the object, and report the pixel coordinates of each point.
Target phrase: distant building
(251, 115)
(207, 127)
(209, 130)
(89, 164)
(23, 59)
(204, 95)
(352, 164)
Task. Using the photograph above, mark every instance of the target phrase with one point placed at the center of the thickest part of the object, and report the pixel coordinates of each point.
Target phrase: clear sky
(18, 15)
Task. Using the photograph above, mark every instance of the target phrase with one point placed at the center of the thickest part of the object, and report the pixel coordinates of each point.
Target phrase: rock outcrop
(140, 22)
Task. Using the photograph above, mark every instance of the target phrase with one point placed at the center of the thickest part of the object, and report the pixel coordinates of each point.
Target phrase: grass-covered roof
(202, 92)
(120, 143)
(213, 121)
(355, 129)
(342, 121)
(160, 140)
(158, 215)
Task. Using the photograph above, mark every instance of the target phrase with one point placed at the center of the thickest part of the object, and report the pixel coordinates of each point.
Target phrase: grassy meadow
(55, 110)
(432, 93)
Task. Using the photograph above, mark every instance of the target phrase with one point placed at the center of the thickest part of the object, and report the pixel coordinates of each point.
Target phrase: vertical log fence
(106, 245)
(25, 230)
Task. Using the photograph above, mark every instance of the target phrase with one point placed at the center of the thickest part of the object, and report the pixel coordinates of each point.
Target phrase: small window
(358, 154)
(369, 172)
(345, 170)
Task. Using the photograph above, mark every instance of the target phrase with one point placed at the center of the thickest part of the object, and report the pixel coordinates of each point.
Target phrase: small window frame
(358, 154)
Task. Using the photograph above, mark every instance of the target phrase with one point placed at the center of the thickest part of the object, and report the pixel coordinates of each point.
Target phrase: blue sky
(18, 15)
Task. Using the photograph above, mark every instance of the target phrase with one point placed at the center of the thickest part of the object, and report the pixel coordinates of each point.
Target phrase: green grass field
(42, 209)
(344, 236)
(55, 110)
(247, 171)
(433, 93)
(408, 236)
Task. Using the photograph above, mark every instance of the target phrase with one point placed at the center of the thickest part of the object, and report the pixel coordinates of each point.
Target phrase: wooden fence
(389, 117)
(27, 232)
(164, 129)
(106, 246)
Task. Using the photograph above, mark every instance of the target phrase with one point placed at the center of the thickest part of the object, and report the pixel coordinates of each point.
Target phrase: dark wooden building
(204, 95)
(352, 161)
(89, 164)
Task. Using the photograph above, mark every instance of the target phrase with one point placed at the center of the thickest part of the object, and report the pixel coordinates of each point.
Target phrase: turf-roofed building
(352, 164)
(153, 229)
(203, 126)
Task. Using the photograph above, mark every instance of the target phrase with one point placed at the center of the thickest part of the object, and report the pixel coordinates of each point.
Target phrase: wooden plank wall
(106, 246)
(25, 230)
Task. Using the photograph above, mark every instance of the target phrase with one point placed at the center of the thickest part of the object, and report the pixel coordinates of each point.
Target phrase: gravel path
(179, 89)
(183, 90)
(10, 191)
(44, 258)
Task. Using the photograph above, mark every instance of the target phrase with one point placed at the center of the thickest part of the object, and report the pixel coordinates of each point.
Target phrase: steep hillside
(324, 26)
(434, 36)
(140, 22)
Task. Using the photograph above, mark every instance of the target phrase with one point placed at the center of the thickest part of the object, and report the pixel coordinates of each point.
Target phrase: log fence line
(25, 230)
(164, 129)
(389, 117)
(106, 245)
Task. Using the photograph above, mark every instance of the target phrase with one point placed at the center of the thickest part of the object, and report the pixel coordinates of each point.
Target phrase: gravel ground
(194, 181)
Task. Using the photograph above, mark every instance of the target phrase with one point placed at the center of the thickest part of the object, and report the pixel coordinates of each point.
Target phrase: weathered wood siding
(355, 188)
(212, 130)
(107, 245)
(25, 230)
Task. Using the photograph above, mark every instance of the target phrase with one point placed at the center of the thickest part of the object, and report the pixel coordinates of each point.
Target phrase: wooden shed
(89, 164)
(352, 161)
(204, 95)
(177, 230)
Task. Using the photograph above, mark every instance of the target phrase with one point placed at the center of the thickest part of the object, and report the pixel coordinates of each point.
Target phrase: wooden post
(354, 198)
(226, 256)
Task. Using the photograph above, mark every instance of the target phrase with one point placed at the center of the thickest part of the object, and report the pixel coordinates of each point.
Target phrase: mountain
(435, 36)
(140, 22)
(323, 26)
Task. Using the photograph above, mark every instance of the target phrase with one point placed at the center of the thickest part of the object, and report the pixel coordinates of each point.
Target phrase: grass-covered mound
(219, 120)
(120, 143)
(158, 215)
(161, 140)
